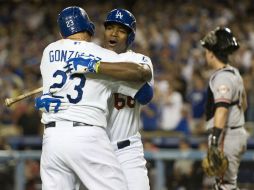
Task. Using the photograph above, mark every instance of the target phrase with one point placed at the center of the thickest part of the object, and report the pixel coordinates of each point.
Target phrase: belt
(75, 124)
(235, 127)
(123, 144)
(231, 128)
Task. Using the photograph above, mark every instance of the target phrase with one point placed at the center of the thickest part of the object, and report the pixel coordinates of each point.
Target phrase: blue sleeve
(145, 94)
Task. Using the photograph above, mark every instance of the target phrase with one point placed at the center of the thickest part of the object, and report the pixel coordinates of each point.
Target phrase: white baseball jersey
(123, 124)
(124, 111)
(87, 104)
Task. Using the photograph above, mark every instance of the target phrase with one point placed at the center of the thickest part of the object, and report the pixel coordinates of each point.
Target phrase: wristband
(215, 136)
(97, 66)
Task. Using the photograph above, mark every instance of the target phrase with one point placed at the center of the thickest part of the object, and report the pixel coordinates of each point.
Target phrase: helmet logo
(119, 15)
(69, 23)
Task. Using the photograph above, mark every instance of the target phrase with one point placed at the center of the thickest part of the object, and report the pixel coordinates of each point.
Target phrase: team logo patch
(119, 15)
(223, 89)
(144, 59)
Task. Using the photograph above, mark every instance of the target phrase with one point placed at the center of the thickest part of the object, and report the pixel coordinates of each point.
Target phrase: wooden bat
(10, 101)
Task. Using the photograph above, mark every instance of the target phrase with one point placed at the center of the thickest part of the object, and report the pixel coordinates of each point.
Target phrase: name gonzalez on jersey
(64, 55)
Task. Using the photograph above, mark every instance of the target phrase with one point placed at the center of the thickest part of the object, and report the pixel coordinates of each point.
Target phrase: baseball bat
(10, 101)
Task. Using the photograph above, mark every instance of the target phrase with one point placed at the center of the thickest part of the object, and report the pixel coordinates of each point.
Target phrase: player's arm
(220, 117)
(145, 94)
(244, 101)
(223, 97)
(126, 71)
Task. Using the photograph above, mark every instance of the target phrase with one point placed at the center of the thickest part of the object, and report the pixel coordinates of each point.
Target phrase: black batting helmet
(220, 41)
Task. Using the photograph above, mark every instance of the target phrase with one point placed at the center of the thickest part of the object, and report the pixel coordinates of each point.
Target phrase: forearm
(220, 117)
(244, 101)
(126, 71)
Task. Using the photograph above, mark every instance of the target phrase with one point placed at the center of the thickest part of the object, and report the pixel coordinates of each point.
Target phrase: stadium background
(168, 32)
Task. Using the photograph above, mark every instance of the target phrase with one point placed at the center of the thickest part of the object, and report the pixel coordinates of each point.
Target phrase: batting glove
(48, 103)
(82, 65)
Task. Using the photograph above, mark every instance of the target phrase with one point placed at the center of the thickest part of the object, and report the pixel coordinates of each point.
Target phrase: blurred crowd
(167, 31)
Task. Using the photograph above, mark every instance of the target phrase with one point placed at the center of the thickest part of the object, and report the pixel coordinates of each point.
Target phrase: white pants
(133, 163)
(84, 153)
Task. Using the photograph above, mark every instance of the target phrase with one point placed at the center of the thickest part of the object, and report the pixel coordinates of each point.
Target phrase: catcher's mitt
(216, 163)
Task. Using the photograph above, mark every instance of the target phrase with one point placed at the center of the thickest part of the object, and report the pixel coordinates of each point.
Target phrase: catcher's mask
(74, 19)
(220, 41)
(124, 18)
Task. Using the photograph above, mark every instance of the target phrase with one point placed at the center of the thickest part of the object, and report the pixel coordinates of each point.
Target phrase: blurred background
(173, 124)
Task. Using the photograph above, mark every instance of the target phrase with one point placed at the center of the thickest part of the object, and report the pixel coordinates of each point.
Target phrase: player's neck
(80, 36)
(219, 65)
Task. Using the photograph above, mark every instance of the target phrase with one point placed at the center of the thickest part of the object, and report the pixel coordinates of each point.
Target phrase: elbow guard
(145, 94)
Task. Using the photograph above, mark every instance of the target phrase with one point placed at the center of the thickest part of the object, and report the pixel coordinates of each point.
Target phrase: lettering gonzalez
(63, 55)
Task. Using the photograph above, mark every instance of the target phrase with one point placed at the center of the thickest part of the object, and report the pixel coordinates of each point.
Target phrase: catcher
(225, 111)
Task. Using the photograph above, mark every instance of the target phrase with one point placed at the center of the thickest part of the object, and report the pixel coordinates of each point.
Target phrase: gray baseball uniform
(225, 89)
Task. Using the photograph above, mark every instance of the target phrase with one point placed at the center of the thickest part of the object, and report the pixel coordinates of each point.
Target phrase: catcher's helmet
(125, 18)
(221, 41)
(74, 19)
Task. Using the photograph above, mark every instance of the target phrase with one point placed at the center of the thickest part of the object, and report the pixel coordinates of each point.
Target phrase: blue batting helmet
(125, 18)
(74, 19)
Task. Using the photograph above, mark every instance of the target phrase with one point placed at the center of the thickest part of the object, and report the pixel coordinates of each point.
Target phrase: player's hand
(49, 103)
(82, 65)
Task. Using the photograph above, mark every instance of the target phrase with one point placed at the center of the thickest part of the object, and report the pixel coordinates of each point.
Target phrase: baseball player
(124, 116)
(75, 143)
(225, 105)
(123, 121)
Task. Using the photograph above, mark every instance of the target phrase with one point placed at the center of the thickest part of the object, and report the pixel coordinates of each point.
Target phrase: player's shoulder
(98, 47)
(137, 57)
(52, 44)
(225, 75)
(227, 71)
(140, 55)
(59, 44)
(102, 52)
